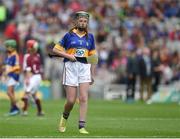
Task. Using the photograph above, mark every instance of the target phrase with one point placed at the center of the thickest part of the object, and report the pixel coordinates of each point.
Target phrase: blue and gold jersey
(12, 66)
(73, 44)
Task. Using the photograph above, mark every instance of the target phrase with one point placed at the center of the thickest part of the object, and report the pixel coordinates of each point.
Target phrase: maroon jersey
(34, 62)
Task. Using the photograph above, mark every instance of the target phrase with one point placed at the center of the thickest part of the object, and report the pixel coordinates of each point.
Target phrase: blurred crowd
(121, 27)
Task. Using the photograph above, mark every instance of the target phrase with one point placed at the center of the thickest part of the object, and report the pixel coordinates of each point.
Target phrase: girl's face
(10, 49)
(82, 23)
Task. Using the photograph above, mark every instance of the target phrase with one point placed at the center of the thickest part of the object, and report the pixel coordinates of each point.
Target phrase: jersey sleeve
(62, 43)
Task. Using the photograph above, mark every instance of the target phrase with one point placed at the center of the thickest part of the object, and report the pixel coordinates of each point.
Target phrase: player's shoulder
(67, 34)
(90, 35)
(15, 55)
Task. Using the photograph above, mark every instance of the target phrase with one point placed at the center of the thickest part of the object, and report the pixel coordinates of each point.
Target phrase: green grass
(105, 119)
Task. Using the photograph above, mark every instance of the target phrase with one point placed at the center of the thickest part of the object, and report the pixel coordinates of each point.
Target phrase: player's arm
(14, 69)
(93, 66)
(59, 50)
(2, 69)
(93, 52)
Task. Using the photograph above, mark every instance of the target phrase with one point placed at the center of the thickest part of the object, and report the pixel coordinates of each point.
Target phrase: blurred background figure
(156, 78)
(145, 73)
(11, 74)
(132, 72)
(32, 66)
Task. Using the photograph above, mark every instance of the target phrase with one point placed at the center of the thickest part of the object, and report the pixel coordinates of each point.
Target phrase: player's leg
(70, 82)
(28, 86)
(38, 104)
(84, 82)
(71, 94)
(36, 81)
(25, 106)
(83, 102)
(10, 92)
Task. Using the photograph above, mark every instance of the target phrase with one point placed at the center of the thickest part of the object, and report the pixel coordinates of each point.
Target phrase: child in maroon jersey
(32, 80)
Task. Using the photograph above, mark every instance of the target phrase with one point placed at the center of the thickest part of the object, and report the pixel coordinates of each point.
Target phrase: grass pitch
(113, 119)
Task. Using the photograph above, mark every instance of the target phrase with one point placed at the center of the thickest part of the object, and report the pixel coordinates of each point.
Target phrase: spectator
(132, 71)
(156, 70)
(145, 73)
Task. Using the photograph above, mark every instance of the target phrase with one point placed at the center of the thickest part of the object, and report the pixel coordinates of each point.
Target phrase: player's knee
(9, 93)
(70, 102)
(83, 99)
(24, 98)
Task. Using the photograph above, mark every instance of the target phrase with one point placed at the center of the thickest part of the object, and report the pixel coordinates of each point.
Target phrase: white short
(11, 82)
(75, 73)
(34, 83)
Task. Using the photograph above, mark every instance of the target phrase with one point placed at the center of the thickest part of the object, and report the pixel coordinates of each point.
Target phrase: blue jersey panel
(11, 61)
(72, 40)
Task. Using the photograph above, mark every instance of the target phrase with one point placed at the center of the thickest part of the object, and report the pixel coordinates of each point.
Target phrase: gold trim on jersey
(59, 47)
(79, 33)
(92, 52)
(73, 51)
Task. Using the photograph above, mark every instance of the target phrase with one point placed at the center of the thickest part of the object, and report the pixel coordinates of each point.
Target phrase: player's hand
(72, 58)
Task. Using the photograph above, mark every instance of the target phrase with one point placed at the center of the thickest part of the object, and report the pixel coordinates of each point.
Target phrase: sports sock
(38, 103)
(65, 115)
(82, 124)
(14, 106)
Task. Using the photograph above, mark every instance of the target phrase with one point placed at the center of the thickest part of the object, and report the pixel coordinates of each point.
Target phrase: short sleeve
(63, 41)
